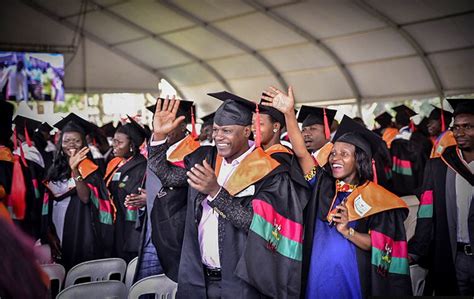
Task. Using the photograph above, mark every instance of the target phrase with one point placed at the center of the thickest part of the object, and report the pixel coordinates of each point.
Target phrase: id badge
(116, 177)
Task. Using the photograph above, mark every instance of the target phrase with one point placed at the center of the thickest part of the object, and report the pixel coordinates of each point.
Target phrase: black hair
(363, 166)
(59, 169)
(126, 130)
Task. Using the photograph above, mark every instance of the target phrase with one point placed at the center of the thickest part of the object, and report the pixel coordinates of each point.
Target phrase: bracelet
(350, 234)
(79, 178)
(311, 174)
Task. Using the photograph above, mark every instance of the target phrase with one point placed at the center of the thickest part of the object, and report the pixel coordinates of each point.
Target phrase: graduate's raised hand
(77, 157)
(279, 100)
(203, 179)
(164, 119)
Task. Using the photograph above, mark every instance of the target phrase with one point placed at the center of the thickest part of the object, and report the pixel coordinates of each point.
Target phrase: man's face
(177, 134)
(314, 137)
(231, 141)
(434, 127)
(206, 133)
(463, 131)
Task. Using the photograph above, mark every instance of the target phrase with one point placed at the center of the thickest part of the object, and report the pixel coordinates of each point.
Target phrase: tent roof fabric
(367, 50)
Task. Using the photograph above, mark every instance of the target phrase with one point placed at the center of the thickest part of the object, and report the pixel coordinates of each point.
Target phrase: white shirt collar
(237, 161)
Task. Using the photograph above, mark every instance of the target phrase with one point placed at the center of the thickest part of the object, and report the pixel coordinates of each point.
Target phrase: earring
(275, 130)
(131, 150)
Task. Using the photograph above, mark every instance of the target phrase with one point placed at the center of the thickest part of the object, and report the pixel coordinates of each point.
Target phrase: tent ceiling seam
(223, 35)
(39, 8)
(365, 6)
(125, 21)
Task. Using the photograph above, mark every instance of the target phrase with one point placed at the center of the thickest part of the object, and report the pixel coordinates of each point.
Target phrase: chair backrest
(160, 285)
(131, 268)
(55, 272)
(96, 289)
(96, 270)
(418, 275)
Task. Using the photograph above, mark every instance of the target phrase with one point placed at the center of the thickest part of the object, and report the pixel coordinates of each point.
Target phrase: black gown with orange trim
(169, 213)
(434, 244)
(88, 228)
(123, 180)
(383, 271)
(260, 231)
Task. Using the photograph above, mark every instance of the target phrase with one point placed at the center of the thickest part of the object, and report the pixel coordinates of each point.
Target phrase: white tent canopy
(361, 50)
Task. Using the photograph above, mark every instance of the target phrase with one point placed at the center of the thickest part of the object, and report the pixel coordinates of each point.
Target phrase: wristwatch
(351, 233)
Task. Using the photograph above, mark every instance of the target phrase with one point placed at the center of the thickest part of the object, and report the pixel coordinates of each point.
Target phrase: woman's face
(342, 161)
(266, 127)
(71, 143)
(121, 145)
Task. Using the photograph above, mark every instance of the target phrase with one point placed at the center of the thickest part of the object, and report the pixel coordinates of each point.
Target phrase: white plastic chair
(96, 270)
(160, 285)
(418, 276)
(131, 268)
(97, 289)
(55, 272)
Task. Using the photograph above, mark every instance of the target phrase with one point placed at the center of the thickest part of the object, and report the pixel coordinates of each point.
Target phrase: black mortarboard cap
(274, 113)
(134, 131)
(21, 122)
(462, 106)
(234, 111)
(384, 119)
(74, 123)
(208, 119)
(351, 132)
(310, 115)
(405, 110)
(45, 127)
(183, 110)
(108, 129)
(435, 114)
(403, 114)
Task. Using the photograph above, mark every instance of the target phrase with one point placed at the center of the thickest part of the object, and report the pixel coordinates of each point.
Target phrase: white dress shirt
(208, 226)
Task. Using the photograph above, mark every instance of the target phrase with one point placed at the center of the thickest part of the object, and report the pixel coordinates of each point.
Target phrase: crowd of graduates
(252, 206)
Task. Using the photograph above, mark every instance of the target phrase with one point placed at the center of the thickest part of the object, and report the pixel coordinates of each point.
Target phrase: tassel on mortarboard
(374, 170)
(27, 137)
(258, 137)
(327, 131)
(412, 126)
(16, 200)
(193, 124)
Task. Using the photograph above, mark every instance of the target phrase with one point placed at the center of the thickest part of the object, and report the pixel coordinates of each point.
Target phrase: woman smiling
(354, 243)
(125, 177)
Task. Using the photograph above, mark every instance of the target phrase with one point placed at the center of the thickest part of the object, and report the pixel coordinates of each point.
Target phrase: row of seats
(103, 278)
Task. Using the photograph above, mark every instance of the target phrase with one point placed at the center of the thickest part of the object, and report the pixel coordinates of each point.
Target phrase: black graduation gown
(129, 177)
(286, 157)
(33, 174)
(434, 244)
(408, 163)
(374, 280)
(88, 229)
(168, 218)
(254, 261)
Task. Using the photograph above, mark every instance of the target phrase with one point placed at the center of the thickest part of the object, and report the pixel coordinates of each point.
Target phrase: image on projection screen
(31, 76)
